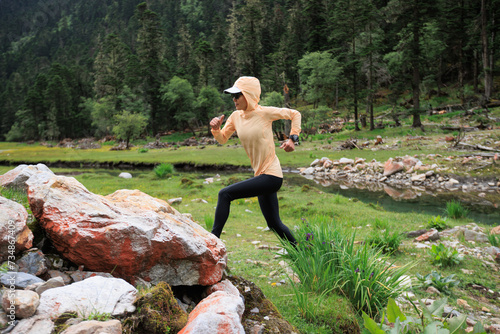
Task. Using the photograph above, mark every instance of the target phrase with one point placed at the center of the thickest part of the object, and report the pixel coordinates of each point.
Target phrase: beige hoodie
(254, 128)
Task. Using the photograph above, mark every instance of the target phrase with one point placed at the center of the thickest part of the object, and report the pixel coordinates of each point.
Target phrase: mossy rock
(157, 312)
(255, 298)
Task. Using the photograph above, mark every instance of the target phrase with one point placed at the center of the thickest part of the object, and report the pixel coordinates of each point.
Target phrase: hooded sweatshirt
(254, 128)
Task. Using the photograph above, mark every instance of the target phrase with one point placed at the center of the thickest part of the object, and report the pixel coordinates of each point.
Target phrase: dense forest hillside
(93, 68)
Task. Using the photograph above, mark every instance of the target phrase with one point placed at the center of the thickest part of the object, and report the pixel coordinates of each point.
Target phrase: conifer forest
(73, 69)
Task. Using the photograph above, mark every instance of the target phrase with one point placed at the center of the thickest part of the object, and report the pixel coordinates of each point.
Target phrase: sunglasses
(236, 95)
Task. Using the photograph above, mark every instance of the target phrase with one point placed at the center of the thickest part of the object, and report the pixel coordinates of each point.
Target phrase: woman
(253, 123)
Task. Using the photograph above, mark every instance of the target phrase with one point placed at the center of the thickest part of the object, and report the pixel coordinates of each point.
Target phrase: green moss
(157, 312)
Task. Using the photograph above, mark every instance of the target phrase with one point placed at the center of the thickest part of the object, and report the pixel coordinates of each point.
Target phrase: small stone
(485, 309)
(433, 291)
(25, 302)
(125, 175)
(255, 310)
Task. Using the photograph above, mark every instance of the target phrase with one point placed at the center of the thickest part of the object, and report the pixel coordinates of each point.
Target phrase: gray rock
(475, 236)
(55, 282)
(18, 279)
(33, 262)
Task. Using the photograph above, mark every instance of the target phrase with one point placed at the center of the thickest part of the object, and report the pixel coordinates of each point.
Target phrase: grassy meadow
(252, 250)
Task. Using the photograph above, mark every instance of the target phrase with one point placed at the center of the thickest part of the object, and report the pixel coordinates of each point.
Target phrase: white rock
(346, 161)
(125, 175)
(112, 296)
(34, 325)
(93, 326)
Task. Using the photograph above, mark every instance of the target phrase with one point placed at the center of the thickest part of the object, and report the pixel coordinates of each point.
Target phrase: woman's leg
(270, 209)
(256, 186)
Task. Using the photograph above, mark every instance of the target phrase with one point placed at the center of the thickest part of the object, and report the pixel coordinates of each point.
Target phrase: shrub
(494, 239)
(326, 260)
(443, 284)
(455, 209)
(143, 150)
(437, 222)
(163, 170)
(429, 320)
(443, 256)
(387, 242)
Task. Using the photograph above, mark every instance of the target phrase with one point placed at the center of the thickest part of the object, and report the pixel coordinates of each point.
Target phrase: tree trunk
(487, 68)
(369, 98)
(416, 67)
(355, 84)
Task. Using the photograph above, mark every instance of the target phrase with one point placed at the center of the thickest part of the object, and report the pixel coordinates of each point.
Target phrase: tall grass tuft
(209, 222)
(456, 210)
(494, 239)
(325, 260)
(163, 170)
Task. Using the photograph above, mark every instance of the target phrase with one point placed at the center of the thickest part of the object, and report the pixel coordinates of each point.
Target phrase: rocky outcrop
(128, 233)
(400, 177)
(15, 236)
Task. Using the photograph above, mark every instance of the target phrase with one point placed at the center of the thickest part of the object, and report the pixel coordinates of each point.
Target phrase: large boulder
(17, 177)
(93, 295)
(13, 229)
(128, 233)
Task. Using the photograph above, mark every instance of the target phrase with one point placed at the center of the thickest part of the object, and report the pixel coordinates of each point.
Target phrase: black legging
(265, 187)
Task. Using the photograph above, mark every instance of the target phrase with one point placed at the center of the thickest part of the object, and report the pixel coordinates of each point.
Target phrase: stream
(410, 200)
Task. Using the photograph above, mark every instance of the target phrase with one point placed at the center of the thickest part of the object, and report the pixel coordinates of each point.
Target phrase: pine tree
(151, 48)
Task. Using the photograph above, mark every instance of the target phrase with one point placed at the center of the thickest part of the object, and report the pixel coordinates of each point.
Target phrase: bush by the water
(164, 170)
(455, 209)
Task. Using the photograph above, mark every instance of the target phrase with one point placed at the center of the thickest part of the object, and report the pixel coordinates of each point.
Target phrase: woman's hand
(288, 145)
(216, 122)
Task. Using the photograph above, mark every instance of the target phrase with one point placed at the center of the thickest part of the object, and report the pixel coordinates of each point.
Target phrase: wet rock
(128, 233)
(23, 302)
(96, 294)
(13, 229)
(93, 326)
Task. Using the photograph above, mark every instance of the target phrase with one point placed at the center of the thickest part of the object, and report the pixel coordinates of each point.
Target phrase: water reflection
(414, 199)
